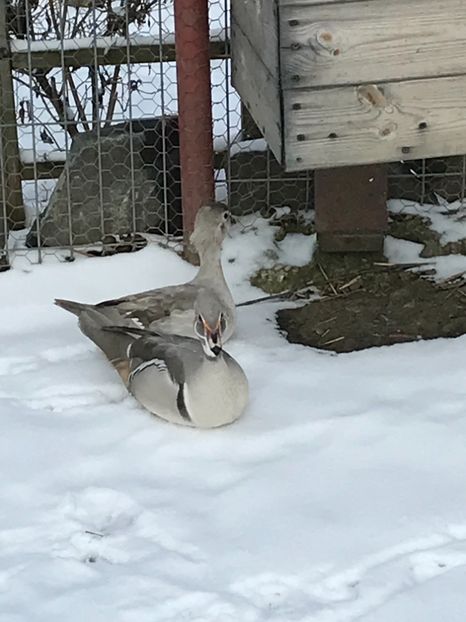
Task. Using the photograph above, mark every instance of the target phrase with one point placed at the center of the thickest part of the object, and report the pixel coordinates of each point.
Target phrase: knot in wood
(388, 130)
(326, 42)
(326, 37)
(373, 95)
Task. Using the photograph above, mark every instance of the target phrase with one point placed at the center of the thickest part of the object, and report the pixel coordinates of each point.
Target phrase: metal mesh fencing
(96, 121)
(430, 181)
(89, 132)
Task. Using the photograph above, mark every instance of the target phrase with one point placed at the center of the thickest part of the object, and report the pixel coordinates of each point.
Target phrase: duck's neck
(210, 268)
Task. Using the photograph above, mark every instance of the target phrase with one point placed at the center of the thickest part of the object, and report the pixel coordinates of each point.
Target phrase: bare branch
(113, 95)
(70, 19)
(77, 101)
(50, 93)
(53, 17)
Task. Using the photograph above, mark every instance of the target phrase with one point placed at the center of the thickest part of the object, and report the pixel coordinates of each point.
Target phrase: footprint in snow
(12, 366)
(64, 397)
(102, 524)
(353, 592)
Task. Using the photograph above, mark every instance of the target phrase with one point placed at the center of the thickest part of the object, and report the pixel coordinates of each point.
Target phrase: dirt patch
(418, 229)
(361, 300)
(366, 302)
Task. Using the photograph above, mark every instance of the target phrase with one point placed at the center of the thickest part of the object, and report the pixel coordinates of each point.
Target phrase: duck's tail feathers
(114, 344)
(70, 305)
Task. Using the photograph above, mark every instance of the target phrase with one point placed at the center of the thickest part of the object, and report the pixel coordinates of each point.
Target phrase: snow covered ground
(339, 496)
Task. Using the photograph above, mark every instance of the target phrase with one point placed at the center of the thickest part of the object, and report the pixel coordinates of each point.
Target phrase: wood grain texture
(48, 59)
(374, 40)
(258, 21)
(353, 125)
(258, 88)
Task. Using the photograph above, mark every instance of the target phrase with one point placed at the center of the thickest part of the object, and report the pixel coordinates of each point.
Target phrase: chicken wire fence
(89, 140)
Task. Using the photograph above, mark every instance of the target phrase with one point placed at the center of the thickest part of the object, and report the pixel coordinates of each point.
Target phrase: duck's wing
(171, 353)
(154, 305)
(168, 357)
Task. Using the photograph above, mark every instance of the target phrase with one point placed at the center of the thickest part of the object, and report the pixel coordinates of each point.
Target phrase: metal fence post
(194, 109)
(10, 162)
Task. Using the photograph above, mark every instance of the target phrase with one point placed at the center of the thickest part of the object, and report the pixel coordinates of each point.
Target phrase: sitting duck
(184, 380)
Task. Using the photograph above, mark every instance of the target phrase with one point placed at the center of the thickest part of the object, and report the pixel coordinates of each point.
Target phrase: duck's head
(209, 323)
(211, 225)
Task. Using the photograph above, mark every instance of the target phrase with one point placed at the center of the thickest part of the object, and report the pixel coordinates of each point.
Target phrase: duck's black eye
(226, 215)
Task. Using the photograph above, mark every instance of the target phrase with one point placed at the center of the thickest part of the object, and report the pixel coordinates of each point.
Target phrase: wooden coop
(347, 84)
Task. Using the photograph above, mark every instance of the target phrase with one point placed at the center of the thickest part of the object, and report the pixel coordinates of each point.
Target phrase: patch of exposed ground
(417, 229)
(365, 302)
(375, 305)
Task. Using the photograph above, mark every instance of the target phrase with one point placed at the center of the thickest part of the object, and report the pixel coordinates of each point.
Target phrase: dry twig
(331, 341)
(324, 274)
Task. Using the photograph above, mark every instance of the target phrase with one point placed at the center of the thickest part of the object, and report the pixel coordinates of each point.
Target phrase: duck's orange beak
(214, 336)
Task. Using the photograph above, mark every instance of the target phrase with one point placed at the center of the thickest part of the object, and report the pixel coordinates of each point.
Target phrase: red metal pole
(194, 107)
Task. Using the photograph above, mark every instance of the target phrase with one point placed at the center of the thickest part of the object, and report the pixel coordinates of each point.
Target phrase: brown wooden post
(351, 208)
(11, 194)
(194, 109)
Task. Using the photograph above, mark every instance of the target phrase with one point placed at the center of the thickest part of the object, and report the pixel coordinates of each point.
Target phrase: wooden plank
(362, 124)
(258, 20)
(258, 88)
(351, 208)
(47, 59)
(371, 41)
(10, 173)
